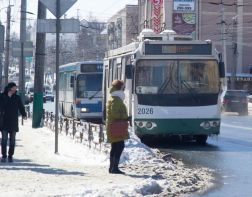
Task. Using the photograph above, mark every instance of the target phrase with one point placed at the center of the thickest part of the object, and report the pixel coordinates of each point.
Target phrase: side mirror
(128, 72)
(72, 81)
(221, 69)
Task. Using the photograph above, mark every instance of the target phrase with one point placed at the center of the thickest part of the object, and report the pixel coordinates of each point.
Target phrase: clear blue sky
(100, 9)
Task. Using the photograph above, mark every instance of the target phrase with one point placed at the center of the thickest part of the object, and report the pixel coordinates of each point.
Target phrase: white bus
(172, 85)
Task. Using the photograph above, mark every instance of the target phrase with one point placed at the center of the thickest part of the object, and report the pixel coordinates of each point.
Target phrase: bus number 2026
(145, 111)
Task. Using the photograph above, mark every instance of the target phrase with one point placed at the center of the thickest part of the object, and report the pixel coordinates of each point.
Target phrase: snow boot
(10, 159)
(3, 159)
(115, 169)
(111, 164)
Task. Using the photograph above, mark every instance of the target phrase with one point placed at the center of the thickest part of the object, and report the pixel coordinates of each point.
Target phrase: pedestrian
(12, 106)
(116, 111)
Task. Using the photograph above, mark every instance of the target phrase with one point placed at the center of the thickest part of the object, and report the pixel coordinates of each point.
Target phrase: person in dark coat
(13, 105)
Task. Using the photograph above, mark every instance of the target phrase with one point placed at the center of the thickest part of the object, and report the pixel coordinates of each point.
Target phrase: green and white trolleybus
(172, 85)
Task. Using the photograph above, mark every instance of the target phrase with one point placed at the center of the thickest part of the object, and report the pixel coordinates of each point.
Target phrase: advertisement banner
(184, 24)
(156, 14)
(184, 5)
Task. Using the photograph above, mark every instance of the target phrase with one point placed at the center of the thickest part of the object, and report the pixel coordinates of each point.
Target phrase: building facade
(123, 27)
(227, 23)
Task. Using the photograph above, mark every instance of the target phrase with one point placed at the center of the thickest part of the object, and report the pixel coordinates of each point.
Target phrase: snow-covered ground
(79, 171)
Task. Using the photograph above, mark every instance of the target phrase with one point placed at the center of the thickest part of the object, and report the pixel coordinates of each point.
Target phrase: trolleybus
(172, 85)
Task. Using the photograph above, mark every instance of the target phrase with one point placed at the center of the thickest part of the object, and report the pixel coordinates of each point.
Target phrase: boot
(115, 169)
(111, 164)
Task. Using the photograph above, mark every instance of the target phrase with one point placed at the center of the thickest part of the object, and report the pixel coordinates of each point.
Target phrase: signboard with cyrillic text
(184, 5)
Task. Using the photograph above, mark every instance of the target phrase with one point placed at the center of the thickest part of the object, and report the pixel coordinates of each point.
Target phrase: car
(235, 101)
(49, 96)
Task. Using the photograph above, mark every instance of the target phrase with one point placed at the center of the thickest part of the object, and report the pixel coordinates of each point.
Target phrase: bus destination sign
(178, 49)
(91, 68)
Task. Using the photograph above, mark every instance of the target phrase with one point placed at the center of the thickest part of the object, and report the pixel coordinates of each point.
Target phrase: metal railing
(87, 133)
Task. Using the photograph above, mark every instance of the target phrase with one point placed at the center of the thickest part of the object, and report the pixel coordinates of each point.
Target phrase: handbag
(118, 128)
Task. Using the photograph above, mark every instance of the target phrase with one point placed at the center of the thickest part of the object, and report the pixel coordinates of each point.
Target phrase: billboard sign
(184, 5)
(184, 24)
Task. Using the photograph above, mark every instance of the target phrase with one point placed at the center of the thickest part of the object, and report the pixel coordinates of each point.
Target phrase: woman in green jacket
(116, 110)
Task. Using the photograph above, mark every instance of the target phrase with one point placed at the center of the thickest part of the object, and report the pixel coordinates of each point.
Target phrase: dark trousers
(12, 142)
(115, 154)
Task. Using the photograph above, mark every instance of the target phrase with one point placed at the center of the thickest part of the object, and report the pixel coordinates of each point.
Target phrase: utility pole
(22, 58)
(7, 47)
(39, 72)
(58, 28)
(235, 54)
(1, 53)
(223, 35)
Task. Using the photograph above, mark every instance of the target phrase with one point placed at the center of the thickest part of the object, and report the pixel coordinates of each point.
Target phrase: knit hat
(116, 85)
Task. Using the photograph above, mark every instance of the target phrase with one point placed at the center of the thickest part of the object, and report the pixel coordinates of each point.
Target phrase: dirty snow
(78, 170)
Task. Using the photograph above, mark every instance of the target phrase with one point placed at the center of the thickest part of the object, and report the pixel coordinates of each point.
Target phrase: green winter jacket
(115, 110)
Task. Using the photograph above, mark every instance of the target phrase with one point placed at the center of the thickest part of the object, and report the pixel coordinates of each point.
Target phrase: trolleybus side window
(68, 80)
(110, 74)
(119, 71)
(62, 81)
(123, 68)
(114, 68)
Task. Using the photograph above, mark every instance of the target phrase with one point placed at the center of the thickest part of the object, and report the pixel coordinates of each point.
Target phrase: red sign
(157, 15)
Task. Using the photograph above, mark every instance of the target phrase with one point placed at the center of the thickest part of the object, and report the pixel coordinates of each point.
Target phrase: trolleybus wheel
(201, 139)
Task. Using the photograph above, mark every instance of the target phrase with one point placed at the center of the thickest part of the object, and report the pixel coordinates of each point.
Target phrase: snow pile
(80, 171)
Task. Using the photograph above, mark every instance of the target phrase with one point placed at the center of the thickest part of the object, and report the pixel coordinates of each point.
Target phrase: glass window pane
(88, 82)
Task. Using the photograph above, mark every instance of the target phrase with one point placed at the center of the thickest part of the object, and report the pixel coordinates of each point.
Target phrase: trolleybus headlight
(205, 125)
(148, 125)
(84, 110)
(140, 124)
(215, 124)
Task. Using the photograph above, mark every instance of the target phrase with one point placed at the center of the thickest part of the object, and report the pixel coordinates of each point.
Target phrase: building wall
(208, 26)
(123, 27)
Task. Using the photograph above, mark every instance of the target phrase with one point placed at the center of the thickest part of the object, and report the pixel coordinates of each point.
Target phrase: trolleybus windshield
(177, 76)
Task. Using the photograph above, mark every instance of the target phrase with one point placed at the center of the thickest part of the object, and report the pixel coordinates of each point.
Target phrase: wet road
(229, 155)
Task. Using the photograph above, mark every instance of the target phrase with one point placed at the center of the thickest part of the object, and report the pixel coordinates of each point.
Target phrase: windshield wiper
(190, 90)
(91, 97)
(164, 85)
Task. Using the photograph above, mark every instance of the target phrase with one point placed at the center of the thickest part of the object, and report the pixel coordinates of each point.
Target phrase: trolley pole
(58, 27)
(39, 72)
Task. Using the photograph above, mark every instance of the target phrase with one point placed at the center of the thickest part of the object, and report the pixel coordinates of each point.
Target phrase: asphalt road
(229, 155)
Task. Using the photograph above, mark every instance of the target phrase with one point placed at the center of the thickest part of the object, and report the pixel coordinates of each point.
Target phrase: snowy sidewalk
(80, 171)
